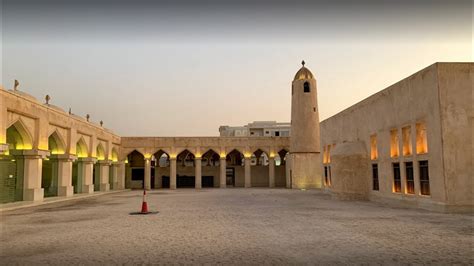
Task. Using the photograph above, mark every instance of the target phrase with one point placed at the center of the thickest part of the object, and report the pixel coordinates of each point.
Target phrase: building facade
(257, 129)
(410, 144)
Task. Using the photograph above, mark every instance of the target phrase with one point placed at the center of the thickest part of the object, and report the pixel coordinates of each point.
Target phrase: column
(65, 187)
(147, 179)
(32, 161)
(198, 177)
(222, 174)
(271, 172)
(121, 176)
(416, 167)
(85, 166)
(172, 173)
(288, 171)
(115, 169)
(104, 175)
(248, 181)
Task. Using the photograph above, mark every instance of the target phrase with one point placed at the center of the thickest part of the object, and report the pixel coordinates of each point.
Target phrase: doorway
(230, 176)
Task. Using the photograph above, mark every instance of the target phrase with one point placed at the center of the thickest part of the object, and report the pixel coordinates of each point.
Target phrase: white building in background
(257, 129)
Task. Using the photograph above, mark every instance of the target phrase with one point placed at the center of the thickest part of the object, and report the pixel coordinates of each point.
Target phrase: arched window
(306, 87)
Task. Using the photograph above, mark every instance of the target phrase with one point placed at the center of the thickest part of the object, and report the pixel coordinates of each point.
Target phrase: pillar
(121, 175)
(115, 170)
(85, 168)
(64, 162)
(222, 174)
(416, 167)
(288, 171)
(198, 176)
(172, 173)
(32, 163)
(104, 175)
(271, 172)
(248, 180)
(147, 179)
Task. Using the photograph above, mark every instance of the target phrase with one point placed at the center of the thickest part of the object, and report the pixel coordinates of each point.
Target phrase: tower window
(306, 87)
(424, 178)
(375, 177)
(410, 180)
(397, 181)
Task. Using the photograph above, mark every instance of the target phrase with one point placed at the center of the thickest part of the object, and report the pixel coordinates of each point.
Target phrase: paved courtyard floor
(232, 226)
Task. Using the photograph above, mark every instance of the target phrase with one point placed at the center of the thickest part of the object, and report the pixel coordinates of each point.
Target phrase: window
(373, 147)
(266, 132)
(306, 87)
(410, 178)
(406, 135)
(375, 177)
(397, 181)
(424, 178)
(421, 141)
(326, 178)
(394, 143)
(277, 133)
(330, 175)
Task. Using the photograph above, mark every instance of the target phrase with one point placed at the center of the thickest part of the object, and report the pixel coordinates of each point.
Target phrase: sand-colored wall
(413, 100)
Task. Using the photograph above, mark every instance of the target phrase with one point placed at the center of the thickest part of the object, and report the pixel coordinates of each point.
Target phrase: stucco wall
(415, 99)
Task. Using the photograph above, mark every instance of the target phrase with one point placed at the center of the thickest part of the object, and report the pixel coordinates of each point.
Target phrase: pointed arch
(235, 157)
(260, 156)
(114, 155)
(81, 148)
(18, 136)
(210, 157)
(100, 152)
(186, 156)
(162, 158)
(135, 159)
(56, 144)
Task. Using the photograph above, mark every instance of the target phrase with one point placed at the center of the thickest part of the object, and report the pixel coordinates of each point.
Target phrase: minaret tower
(305, 163)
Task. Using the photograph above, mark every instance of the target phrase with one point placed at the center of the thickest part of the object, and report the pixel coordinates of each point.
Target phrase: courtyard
(232, 226)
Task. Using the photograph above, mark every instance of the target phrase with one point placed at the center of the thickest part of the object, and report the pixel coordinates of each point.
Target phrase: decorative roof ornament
(87, 117)
(101, 123)
(304, 73)
(303, 62)
(70, 112)
(47, 98)
(15, 87)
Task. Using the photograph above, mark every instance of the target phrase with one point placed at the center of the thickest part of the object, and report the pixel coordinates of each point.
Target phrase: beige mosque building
(410, 144)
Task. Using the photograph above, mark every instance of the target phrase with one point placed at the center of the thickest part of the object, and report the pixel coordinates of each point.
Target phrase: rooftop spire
(303, 62)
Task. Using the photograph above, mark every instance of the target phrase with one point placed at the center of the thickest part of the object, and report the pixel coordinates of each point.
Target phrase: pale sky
(179, 68)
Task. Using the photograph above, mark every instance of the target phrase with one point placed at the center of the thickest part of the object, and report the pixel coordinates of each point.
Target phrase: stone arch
(81, 148)
(114, 155)
(282, 155)
(210, 158)
(185, 156)
(100, 152)
(261, 156)
(18, 136)
(235, 158)
(162, 158)
(56, 144)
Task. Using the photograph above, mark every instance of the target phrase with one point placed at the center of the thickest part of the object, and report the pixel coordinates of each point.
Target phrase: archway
(259, 169)
(135, 170)
(281, 168)
(185, 171)
(235, 175)
(161, 176)
(210, 162)
(50, 168)
(11, 164)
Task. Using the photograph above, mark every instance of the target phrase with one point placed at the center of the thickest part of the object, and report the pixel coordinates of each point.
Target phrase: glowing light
(222, 155)
(147, 156)
(126, 160)
(247, 155)
(172, 156)
(13, 160)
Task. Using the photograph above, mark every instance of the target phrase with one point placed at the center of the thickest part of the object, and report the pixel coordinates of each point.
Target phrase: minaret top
(303, 73)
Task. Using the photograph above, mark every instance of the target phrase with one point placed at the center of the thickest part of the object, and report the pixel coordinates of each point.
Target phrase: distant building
(257, 129)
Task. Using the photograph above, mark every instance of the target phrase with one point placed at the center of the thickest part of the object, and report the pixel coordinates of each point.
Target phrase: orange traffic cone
(144, 204)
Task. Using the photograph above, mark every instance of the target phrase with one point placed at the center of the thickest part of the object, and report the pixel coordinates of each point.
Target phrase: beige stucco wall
(423, 97)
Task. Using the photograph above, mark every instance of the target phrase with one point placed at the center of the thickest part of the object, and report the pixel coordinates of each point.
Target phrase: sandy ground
(232, 226)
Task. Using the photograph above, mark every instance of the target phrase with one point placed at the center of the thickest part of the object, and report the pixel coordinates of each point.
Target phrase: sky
(184, 68)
